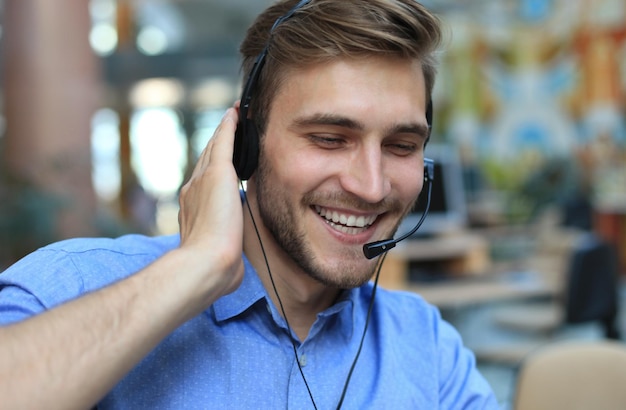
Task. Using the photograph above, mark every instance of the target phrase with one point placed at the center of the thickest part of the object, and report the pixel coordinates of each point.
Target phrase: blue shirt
(238, 354)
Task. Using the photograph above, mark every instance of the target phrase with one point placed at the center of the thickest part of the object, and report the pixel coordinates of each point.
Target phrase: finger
(203, 160)
(205, 156)
(224, 138)
(206, 153)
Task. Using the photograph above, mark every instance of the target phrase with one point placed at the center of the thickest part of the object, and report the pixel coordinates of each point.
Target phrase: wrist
(200, 277)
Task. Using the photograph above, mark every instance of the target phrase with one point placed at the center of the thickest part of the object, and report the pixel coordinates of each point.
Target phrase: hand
(105, 333)
(211, 216)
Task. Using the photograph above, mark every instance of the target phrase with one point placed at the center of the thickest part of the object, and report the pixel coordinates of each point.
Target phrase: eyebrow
(419, 129)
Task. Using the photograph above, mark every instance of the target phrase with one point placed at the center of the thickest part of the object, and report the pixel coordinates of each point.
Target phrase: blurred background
(106, 104)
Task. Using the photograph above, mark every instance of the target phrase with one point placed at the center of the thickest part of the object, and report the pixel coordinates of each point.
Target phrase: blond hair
(324, 30)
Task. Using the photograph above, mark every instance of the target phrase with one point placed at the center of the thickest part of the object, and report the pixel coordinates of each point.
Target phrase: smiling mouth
(345, 223)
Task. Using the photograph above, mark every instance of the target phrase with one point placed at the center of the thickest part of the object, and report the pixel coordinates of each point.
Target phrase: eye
(402, 149)
(328, 141)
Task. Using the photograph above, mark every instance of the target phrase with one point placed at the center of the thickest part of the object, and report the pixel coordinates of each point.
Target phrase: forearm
(71, 356)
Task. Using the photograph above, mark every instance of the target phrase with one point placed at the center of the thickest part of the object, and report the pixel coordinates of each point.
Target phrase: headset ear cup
(246, 149)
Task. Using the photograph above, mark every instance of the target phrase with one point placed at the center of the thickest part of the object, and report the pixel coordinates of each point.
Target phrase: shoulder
(402, 318)
(410, 317)
(69, 268)
(413, 328)
(410, 307)
(110, 257)
(404, 321)
(124, 245)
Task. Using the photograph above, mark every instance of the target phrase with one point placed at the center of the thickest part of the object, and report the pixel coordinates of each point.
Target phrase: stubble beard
(280, 217)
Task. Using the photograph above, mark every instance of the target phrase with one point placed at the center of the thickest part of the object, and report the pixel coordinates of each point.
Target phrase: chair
(592, 289)
(573, 375)
(590, 293)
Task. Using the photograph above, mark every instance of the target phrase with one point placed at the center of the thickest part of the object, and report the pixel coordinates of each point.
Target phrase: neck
(301, 296)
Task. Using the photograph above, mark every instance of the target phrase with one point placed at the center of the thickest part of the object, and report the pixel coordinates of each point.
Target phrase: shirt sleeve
(461, 384)
(65, 270)
(16, 305)
(36, 283)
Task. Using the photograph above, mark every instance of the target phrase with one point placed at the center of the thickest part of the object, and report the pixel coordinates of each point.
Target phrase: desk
(468, 280)
(458, 254)
(456, 293)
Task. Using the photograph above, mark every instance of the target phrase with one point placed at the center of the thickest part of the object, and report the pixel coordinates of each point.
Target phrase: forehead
(368, 88)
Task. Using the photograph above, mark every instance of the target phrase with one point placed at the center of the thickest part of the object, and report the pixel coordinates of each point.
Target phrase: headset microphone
(374, 249)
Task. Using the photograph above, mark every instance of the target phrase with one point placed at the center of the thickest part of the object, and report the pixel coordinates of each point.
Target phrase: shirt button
(302, 360)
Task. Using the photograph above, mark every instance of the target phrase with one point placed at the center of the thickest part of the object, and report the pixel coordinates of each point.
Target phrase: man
(339, 102)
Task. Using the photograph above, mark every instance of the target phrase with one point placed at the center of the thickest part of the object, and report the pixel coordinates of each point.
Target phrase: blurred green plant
(29, 214)
(530, 183)
(27, 217)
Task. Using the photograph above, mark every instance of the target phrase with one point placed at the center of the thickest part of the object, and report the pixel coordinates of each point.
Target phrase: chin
(347, 273)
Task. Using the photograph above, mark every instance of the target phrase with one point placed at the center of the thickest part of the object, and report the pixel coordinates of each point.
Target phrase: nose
(365, 176)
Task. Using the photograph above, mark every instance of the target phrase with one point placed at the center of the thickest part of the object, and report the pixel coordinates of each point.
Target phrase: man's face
(341, 163)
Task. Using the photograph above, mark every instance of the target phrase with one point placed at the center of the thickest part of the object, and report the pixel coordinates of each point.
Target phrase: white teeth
(348, 223)
(335, 217)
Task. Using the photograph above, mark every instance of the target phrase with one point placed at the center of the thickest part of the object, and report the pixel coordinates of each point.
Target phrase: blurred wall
(533, 93)
(50, 85)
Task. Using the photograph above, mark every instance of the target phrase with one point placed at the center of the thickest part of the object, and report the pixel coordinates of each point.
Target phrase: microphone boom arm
(374, 249)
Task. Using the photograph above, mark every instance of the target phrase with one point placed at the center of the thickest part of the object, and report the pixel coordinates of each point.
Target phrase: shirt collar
(251, 291)
(247, 294)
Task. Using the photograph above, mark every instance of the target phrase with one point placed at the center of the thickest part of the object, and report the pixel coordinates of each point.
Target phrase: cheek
(302, 171)
(417, 186)
(406, 182)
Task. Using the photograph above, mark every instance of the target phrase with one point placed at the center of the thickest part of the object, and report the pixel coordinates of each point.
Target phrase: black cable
(280, 302)
(376, 252)
(282, 309)
(367, 321)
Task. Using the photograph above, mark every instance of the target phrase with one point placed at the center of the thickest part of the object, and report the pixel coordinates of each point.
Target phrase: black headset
(246, 149)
